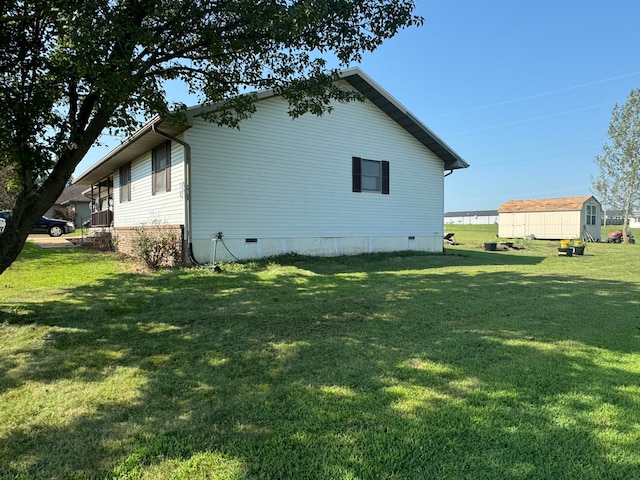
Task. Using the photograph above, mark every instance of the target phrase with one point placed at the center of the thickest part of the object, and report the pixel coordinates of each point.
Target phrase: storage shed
(551, 218)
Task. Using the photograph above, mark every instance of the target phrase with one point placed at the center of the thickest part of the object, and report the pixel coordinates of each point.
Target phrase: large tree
(7, 187)
(618, 181)
(71, 69)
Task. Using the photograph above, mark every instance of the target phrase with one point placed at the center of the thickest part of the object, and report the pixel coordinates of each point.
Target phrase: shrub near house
(156, 245)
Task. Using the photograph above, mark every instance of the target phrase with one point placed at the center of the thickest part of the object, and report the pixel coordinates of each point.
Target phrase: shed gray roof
(146, 138)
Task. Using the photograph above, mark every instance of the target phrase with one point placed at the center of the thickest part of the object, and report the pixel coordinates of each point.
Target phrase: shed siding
(287, 182)
(551, 225)
(542, 225)
(144, 208)
(593, 229)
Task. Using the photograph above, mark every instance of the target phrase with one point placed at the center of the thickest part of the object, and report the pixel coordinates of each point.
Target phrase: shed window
(161, 168)
(370, 175)
(591, 214)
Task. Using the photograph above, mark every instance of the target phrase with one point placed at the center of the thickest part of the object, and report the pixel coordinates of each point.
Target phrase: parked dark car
(51, 226)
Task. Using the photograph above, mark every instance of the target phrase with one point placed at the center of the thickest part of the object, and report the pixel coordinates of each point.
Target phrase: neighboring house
(551, 218)
(71, 205)
(472, 217)
(368, 177)
(616, 217)
(612, 217)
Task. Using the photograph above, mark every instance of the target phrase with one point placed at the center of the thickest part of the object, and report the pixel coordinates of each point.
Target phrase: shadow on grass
(383, 262)
(315, 375)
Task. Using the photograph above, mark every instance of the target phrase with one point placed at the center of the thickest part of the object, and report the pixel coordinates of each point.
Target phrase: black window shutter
(153, 171)
(356, 174)
(125, 180)
(168, 168)
(385, 177)
(121, 189)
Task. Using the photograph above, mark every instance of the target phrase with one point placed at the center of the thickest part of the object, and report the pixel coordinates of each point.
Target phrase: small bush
(102, 241)
(156, 245)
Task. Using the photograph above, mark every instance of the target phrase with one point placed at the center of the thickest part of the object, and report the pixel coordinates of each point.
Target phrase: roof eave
(140, 142)
(403, 117)
(134, 145)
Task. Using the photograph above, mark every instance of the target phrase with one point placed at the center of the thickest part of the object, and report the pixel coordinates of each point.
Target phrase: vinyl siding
(283, 178)
(144, 208)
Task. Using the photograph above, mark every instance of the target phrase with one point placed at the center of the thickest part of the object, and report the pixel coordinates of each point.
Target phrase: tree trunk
(26, 211)
(32, 204)
(12, 241)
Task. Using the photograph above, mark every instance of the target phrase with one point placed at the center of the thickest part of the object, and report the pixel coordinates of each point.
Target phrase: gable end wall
(286, 183)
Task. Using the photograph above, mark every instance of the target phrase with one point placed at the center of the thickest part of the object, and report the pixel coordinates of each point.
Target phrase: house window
(591, 214)
(125, 183)
(161, 168)
(370, 175)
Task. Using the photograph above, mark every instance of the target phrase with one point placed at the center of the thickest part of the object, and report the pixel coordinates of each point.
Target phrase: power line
(537, 95)
(515, 159)
(533, 119)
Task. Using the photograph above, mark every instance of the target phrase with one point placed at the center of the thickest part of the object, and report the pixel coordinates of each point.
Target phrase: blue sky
(523, 91)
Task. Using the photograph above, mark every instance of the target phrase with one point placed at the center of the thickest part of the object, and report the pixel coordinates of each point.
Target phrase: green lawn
(514, 364)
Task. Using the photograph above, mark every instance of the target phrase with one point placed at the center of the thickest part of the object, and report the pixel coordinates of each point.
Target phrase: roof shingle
(544, 205)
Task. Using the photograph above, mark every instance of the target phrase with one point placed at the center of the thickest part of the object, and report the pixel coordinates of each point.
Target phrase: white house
(368, 177)
(616, 217)
(471, 217)
(551, 218)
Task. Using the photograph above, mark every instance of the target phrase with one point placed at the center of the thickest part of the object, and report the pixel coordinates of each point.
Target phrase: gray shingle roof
(72, 194)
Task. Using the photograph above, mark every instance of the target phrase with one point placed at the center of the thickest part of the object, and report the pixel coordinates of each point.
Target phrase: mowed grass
(513, 364)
